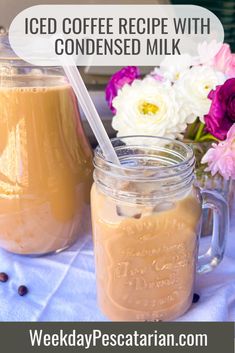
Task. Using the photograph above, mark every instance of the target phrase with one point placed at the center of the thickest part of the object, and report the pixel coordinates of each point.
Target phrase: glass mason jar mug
(45, 158)
(146, 219)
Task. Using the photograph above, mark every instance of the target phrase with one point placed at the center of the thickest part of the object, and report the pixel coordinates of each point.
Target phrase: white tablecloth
(62, 287)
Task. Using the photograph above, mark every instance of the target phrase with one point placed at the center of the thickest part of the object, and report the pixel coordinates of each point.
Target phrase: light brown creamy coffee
(145, 256)
(45, 165)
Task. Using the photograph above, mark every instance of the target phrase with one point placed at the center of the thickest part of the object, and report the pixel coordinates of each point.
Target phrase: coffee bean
(196, 297)
(22, 290)
(3, 277)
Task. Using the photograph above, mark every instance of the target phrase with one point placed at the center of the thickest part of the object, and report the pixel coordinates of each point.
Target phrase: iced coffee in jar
(146, 217)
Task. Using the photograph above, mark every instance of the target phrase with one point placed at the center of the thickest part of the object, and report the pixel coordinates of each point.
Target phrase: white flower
(207, 52)
(149, 107)
(172, 67)
(194, 86)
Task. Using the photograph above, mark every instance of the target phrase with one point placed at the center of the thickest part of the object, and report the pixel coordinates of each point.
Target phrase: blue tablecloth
(62, 286)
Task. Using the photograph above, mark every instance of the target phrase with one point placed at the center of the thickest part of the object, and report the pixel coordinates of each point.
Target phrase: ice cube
(127, 211)
(163, 206)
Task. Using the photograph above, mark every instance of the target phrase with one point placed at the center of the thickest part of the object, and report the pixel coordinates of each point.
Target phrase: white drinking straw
(89, 110)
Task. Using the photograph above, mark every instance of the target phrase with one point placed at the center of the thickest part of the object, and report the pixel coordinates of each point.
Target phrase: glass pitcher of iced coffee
(45, 159)
(146, 219)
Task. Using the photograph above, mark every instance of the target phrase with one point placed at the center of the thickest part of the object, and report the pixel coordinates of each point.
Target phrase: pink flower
(157, 76)
(126, 75)
(225, 61)
(221, 157)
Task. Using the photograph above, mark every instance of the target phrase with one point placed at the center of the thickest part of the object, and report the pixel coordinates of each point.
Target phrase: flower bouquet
(189, 98)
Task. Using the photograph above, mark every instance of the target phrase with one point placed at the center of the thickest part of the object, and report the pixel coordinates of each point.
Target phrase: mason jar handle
(214, 201)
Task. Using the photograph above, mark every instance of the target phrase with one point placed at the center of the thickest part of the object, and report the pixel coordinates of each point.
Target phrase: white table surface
(62, 286)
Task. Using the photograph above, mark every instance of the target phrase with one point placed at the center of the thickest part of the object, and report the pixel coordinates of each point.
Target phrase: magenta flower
(225, 61)
(221, 157)
(126, 75)
(221, 115)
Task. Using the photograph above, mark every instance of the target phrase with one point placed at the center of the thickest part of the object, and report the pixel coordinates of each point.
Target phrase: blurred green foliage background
(224, 10)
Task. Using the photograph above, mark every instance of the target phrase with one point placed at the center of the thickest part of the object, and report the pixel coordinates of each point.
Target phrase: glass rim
(188, 158)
